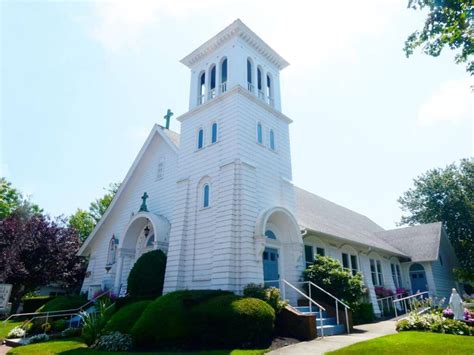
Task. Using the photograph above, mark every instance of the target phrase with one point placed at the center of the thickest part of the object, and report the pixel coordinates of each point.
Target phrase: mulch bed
(280, 342)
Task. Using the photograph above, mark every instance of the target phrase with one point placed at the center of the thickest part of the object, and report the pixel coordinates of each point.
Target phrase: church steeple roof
(236, 29)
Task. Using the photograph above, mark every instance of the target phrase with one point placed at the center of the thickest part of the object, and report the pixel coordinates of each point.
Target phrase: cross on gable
(143, 207)
(167, 117)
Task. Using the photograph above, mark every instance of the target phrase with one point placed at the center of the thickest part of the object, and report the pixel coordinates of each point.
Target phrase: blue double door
(270, 266)
(418, 281)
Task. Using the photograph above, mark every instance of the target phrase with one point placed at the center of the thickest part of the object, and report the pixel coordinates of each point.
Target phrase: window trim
(200, 139)
(214, 133)
(259, 133)
(206, 195)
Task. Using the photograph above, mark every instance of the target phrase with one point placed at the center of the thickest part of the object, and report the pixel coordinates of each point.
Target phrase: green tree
(449, 23)
(446, 195)
(12, 200)
(84, 221)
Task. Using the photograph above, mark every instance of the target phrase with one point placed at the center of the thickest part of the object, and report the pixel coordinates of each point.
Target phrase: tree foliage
(449, 23)
(13, 200)
(329, 274)
(446, 195)
(36, 251)
(84, 221)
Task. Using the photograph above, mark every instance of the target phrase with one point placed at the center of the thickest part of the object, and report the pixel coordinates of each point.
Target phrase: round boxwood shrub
(204, 319)
(124, 319)
(147, 276)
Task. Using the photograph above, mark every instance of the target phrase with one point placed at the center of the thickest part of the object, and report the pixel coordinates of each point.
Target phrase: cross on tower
(143, 207)
(167, 117)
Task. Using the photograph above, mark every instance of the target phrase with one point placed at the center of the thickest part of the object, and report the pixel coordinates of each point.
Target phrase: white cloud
(451, 102)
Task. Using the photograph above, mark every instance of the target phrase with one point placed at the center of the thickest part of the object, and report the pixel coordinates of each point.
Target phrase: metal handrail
(73, 310)
(404, 299)
(329, 294)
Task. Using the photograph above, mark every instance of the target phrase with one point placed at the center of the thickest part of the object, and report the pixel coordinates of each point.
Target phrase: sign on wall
(5, 291)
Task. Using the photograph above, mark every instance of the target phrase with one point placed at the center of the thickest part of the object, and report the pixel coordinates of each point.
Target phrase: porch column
(122, 254)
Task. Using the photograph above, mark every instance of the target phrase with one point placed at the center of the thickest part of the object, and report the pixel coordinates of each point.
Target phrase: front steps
(328, 324)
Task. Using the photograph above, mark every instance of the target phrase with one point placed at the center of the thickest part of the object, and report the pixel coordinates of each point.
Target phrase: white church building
(218, 198)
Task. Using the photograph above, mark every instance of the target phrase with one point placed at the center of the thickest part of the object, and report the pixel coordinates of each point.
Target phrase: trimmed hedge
(62, 303)
(31, 304)
(125, 318)
(204, 319)
(147, 276)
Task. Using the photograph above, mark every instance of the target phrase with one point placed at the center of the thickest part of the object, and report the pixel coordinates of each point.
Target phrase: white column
(255, 78)
(118, 273)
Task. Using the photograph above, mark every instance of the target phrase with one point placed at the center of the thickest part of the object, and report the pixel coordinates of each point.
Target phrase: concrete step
(333, 329)
(326, 321)
(315, 311)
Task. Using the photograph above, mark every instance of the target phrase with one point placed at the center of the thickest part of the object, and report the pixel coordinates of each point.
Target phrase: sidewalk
(321, 346)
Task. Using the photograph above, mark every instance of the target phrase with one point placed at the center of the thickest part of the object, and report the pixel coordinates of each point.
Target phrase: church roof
(172, 135)
(235, 29)
(420, 242)
(320, 215)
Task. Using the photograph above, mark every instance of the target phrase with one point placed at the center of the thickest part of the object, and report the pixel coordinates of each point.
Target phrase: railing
(261, 95)
(250, 87)
(201, 99)
(57, 313)
(211, 94)
(282, 284)
(223, 87)
(336, 300)
(386, 303)
(271, 101)
(409, 300)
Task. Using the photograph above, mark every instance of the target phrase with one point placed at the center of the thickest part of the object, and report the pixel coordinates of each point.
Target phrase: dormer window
(223, 87)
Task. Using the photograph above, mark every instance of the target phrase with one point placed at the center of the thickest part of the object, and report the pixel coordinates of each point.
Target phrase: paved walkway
(4, 349)
(321, 346)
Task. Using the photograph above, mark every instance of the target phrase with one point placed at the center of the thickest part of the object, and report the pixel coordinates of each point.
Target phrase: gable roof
(320, 215)
(235, 29)
(420, 242)
(169, 137)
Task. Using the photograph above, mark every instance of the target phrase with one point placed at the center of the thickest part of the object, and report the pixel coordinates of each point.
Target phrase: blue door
(270, 266)
(418, 278)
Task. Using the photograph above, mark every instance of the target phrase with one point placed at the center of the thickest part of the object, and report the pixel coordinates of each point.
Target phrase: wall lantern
(147, 230)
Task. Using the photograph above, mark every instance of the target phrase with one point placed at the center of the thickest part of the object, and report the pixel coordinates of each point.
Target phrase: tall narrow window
(320, 251)
(212, 86)
(224, 71)
(201, 139)
(161, 169)
(259, 133)
(259, 79)
(205, 196)
(249, 75)
(202, 88)
(379, 272)
(309, 256)
(399, 275)
(394, 275)
(374, 274)
(269, 90)
(345, 261)
(214, 133)
(112, 252)
(354, 264)
(272, 140)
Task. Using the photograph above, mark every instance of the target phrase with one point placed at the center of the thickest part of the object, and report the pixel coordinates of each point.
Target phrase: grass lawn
(413, 343)
(77, 347)
(5, 328)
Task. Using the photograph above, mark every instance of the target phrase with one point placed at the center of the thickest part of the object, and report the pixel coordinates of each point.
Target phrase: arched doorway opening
(281, 246)
(418, 278)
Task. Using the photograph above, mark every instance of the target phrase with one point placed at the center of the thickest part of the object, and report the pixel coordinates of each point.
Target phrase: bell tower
(234, 166)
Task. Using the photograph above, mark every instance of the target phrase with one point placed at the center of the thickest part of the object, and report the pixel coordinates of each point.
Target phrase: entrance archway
(280, 246)
(418, 278)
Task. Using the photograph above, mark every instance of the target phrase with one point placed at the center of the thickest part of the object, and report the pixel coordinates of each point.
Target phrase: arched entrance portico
(146, 231)
(279, 246)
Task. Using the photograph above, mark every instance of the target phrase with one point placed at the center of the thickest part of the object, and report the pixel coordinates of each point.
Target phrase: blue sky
(82, 83)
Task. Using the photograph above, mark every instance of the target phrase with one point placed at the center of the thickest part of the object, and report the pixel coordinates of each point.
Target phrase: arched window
(249, 75)
(112, 252)
(270, 235)
(259, 133)
(206, 196)
(202, 88)
(214, 133)
(269, 90)
(272, 140)
(259, 79)
(212, 86)
(201, 139)
(224, 71)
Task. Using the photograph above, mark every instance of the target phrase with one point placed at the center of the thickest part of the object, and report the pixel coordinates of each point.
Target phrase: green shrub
(451, 326)
(59, 325)
(31, 304)
(62, 303)
(329, 274)
(125, 318)
(147, 276)
(362, 313)
(114, 342)
(434, 322)
(271, 295)
(204, 319)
